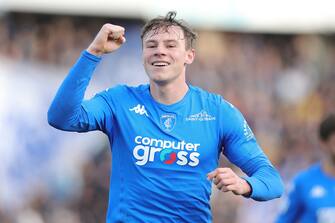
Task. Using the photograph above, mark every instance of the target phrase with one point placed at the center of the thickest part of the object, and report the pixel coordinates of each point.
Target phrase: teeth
(160, 64)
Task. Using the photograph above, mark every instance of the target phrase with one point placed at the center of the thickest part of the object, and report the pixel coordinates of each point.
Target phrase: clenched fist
(109, 38)
(226, 180)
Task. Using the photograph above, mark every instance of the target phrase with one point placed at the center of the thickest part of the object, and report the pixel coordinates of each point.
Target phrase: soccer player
(312, 196)
(166, 136)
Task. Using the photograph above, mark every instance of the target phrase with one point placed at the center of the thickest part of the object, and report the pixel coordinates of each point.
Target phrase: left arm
(263, 181)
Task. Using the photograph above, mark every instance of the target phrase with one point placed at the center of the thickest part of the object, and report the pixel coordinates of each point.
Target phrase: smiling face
(165, 55)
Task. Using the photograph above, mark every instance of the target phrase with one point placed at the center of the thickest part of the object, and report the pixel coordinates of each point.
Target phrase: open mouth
(160, 64)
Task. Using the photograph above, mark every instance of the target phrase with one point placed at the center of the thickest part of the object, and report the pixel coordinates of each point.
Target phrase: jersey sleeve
(241, 148)
(69, 112)
(100, 110)
(292, 205)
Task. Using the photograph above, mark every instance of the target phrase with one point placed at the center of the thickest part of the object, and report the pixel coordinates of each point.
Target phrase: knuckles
(113, 28)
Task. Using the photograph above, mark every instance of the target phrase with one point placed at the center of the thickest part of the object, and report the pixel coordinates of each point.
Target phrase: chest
(185, 137)
(320, 201)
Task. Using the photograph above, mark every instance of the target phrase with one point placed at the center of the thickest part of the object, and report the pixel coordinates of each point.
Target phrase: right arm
(67, 111)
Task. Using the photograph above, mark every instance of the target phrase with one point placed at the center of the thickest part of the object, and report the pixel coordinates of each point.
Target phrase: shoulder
(225, 111)
(121, 94)
(124, 90)
(199, 92)
(308, 174)
(212, 98)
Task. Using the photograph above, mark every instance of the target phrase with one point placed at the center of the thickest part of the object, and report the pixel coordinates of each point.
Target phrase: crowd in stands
(283, 84)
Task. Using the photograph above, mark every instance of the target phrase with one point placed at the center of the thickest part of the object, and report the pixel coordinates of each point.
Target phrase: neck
(168, 93)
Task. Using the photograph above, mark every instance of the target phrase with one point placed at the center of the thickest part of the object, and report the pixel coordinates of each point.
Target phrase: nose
(160, 51)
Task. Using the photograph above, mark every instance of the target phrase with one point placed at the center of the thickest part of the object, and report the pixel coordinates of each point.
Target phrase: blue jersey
(311, 199)
(162, 153)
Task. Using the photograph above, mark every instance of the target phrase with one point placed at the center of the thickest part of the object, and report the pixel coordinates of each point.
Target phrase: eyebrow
(165, 41)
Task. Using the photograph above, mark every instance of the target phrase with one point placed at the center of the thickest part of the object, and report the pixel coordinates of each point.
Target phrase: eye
(171, 46)
(150, 45)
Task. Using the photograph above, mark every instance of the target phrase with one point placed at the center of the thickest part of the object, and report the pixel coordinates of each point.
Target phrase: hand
(226, 180)
(109, 38)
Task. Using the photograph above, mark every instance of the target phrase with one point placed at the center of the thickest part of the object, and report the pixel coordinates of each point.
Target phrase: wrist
(94, 51)
(247, 188)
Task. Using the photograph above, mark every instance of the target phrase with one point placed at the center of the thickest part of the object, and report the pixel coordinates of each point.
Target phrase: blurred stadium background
(274, 60)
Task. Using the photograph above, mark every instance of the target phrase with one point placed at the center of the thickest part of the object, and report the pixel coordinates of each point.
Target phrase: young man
(166, 136)
(312, 197)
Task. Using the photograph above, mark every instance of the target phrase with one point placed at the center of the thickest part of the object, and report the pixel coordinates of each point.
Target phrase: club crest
(168, 122)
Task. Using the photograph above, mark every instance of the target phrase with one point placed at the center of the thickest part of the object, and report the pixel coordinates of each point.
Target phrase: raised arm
(67, 111)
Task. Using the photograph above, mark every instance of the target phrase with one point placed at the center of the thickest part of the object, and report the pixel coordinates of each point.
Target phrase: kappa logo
(168, 122)
(318, 192)
(139, 109)
(201, 116)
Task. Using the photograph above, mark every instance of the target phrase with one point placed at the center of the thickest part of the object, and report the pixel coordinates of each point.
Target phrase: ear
(190, 55)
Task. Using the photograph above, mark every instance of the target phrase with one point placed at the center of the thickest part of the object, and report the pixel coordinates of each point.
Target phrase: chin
(161, 78)
(159, 81)
(158, 77)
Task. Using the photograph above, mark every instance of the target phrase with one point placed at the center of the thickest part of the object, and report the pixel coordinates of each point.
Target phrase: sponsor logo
(168, 122)
(168, 152)
(139, 109)
(168, 156)
(201, 116)
(326, 215)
